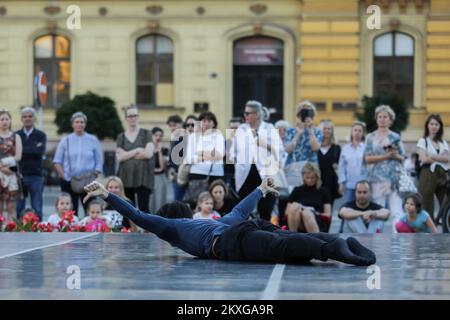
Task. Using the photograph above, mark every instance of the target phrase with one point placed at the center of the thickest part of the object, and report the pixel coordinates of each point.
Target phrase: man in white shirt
(256, 152)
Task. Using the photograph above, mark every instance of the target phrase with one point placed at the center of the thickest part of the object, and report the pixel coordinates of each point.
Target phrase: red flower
(30, 217)
(68, 216)
(11, 226)
(284, 228)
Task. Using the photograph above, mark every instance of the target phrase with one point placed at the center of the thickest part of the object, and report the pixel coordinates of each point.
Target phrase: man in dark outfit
(33, 143)
(233, 237)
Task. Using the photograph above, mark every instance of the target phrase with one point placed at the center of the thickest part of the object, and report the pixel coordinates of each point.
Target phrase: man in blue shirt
(233, 237)
(33, 143)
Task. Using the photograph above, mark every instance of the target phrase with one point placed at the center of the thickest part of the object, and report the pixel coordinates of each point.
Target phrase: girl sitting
(205, 205)
(65, 214)
(415, 220)
(95, 222)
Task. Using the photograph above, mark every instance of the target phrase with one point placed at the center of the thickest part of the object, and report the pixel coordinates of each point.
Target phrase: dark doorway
(261, 83)
(258, 74)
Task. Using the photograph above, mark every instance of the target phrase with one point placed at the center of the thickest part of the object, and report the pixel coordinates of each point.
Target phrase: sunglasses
(189, 125)
(248, 113)
(132, 116)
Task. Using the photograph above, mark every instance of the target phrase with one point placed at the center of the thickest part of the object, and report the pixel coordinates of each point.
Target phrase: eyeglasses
(132, 116)
(248, 113)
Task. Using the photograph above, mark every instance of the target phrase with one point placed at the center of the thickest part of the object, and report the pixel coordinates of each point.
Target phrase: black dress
(329, 176)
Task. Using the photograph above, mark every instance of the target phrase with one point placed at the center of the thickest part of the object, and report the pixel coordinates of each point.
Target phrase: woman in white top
(434, 156)
(205, 151)
(350, 170)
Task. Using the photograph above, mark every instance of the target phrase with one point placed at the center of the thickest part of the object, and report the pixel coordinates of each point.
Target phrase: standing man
(256, 153)
(34, 143)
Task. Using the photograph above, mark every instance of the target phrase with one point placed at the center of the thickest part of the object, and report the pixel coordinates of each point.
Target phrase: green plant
(103, 120)
(396, 102)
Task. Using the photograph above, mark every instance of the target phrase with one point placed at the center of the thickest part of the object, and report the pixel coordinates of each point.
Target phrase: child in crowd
(205, 205)
(63, 206)
(416, 219)
(113, 218)
(95, 222)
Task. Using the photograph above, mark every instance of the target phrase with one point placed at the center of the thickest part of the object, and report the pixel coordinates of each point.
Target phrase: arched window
(394, 65)
(52, 55)
(154, 71)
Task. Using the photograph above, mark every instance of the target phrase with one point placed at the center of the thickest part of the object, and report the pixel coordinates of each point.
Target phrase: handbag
(197, 186)
(293, 173)
(405, 183)
(280, 180)
(77, 183)
(183, 173)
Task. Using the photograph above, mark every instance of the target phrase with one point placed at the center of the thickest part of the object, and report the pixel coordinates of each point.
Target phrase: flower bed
(30, 223)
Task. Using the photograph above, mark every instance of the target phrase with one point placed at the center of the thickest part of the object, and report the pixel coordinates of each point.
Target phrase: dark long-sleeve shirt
(193, 236)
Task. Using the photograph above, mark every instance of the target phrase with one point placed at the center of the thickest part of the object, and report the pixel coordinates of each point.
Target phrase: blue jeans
(33, 186)
(178, 191)
(349, 196)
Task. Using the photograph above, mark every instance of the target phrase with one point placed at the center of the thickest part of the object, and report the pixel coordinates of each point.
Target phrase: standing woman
(134, 151)
(189, 123)
(77, 155)
(350, 170)
(205, 152)
(10, 154)
(328, 155)
(159, 197)
(384, 155)
(434, 158)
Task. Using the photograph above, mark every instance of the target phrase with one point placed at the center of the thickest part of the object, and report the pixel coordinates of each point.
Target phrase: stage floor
(140, 266)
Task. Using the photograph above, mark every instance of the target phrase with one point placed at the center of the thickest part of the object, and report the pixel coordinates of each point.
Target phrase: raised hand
(268, 186)
(95, 189)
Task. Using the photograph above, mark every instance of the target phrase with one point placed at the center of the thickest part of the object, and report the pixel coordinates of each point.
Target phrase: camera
(305, 113)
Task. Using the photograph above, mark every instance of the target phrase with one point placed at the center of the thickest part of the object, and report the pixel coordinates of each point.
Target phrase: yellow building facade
(215, 54)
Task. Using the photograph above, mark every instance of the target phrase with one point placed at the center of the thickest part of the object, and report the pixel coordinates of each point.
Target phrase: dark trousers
(430, 184)
(265, 205)
(259, 240)
(143, 197)
(65, 187)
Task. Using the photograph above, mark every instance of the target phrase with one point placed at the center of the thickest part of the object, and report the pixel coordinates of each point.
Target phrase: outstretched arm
(162, 227)
(246, 206)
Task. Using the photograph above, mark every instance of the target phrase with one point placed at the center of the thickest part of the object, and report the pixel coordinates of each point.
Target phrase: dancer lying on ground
(233, 237)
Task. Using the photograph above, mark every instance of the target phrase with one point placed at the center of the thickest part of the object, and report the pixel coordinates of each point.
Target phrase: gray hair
(257, 106)
(387, 109)
(28, 110)
(78, 114)
(282, 124)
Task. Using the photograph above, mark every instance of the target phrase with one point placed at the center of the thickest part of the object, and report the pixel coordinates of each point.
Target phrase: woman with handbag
(434, 156)
(136, 163)
(78, 160)
(205, 152)
(384, 155)
(10, 155)
(302, 143)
